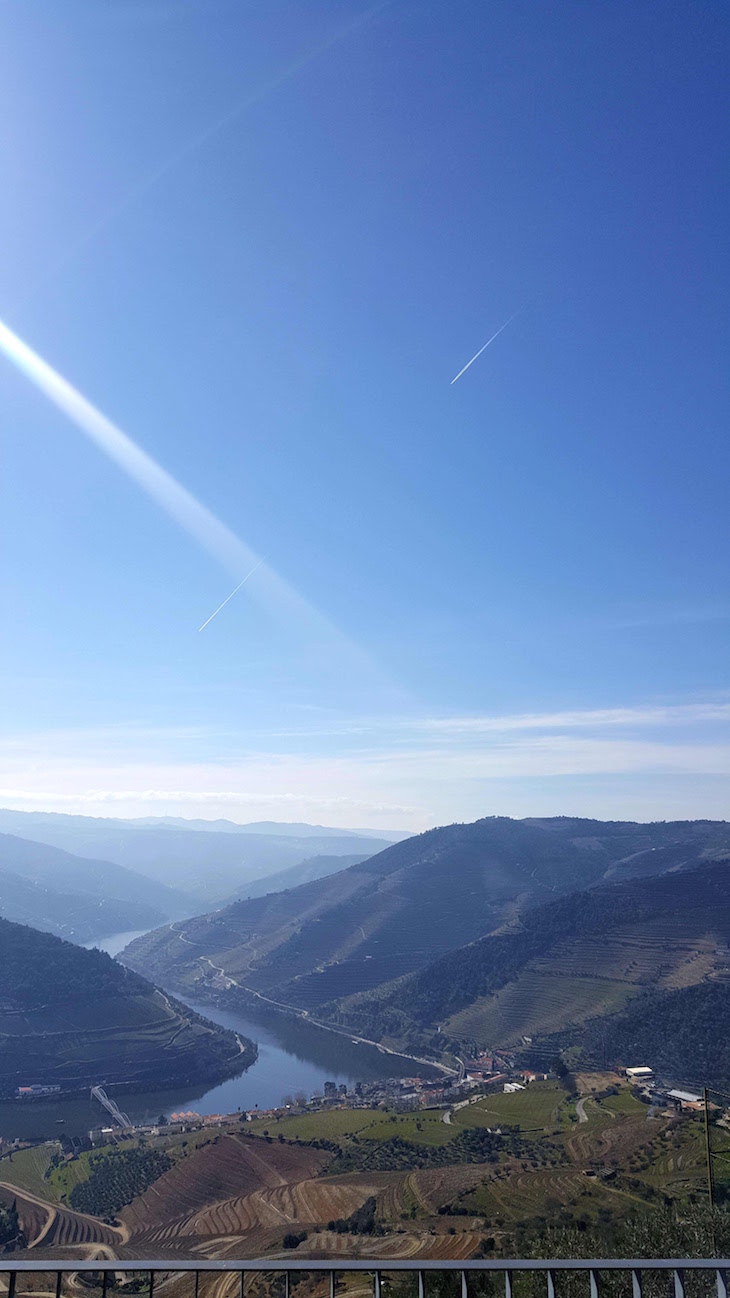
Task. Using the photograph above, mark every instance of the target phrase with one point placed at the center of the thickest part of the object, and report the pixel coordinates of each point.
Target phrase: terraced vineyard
(73, 1017)
(230, 1165)
(581, 979)
(240, 1194)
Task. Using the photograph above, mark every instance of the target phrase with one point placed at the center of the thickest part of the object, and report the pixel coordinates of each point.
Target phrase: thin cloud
(597, 718)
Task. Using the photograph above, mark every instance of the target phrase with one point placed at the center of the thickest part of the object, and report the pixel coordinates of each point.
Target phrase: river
(293, 1056)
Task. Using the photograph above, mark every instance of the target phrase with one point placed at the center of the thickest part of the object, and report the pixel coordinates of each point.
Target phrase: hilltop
(570, 972)
(411, 904)
(73, 1018)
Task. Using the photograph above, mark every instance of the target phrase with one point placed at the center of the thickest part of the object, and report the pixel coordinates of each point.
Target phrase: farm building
(685, 1099)
(642, 1074)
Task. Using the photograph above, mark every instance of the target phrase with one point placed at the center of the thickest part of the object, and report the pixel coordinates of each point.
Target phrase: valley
(351, 951)
(626, 958)
(373, 1183)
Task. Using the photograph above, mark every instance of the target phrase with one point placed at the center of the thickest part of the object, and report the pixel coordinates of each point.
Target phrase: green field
(27, 1169)
(330, 1124)
(624, 1103)
(426, 1127)
(534, 1109)
(64, 1177)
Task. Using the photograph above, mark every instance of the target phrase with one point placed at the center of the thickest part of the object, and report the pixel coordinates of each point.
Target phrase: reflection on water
(293, 1056)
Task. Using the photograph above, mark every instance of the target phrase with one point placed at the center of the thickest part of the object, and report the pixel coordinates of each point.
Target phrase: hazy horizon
(233, 301)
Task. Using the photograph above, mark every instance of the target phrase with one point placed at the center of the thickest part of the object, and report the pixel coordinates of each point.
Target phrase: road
(328, 1027)
(580, 1110)
(54, 1210)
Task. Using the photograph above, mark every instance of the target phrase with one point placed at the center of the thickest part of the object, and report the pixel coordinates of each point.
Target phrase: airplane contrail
(233, 592)
(476, 356)
(273, 591)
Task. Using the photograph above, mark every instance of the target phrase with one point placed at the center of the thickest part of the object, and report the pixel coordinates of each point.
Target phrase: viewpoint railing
(14, 1275)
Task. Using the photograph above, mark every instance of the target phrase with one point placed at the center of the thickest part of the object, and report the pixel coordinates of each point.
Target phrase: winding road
(307, 1018)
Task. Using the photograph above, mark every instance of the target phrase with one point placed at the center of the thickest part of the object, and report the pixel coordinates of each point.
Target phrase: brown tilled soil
(57, 1227)
(228, 1167)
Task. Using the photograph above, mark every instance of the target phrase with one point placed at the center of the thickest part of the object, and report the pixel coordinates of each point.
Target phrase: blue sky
(262, 238)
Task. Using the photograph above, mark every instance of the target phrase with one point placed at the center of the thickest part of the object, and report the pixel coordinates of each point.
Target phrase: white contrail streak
(233, 592)
(272, 591)
(484, 348)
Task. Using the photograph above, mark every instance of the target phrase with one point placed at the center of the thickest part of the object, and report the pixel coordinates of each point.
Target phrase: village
(484, 1074)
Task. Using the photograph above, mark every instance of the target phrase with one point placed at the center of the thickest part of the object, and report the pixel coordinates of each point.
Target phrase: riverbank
(235, 993)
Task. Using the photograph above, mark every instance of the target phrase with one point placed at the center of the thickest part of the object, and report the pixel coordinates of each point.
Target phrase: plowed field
(227, 1167)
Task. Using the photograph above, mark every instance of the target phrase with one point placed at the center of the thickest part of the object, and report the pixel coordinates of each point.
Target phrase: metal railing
(593, 1270)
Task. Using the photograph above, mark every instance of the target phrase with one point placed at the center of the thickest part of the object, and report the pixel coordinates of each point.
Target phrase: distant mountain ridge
(412, 903)
(207, 866)
(316, 867)
(78, 898)
(75, 1018)
(273, 828)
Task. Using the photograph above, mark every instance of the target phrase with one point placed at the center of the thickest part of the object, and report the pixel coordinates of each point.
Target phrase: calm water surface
(293, 1056)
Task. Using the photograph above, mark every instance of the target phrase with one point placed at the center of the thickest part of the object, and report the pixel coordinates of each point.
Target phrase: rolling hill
(315, 867)
(73, 1018)
(419, 899)
(563, 965)
(207, 866)
(77, 898)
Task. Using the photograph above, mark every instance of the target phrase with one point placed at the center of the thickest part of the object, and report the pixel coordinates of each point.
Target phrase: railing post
(678, 1283)
(287, 1284)
(11, 1285)
(721, 1284)
(197, 1284)
(59, 1283)
(421, 1286)
(241, 1281)
(465, 1286)
(103, 1283)
(550, 1284)
(508, 1284)
(152, 1282)
(636, 1284)
(376, 1284)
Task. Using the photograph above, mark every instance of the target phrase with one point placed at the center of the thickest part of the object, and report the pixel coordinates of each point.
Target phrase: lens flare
(266, 586)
